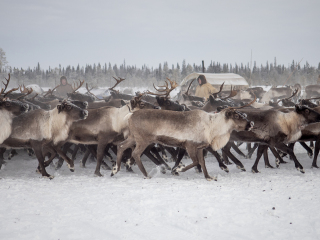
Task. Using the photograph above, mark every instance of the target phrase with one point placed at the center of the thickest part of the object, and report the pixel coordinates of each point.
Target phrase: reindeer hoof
(241, 168)
(314, 166)
(48, 176)
(300, 170)
(277, 161)
(147, 177)
(163, 169)
(268, 166)
(82, 165)
(254, 170)
(98, 174)
(310, 155)
(175, 173)
(225, 169)
(211, 178)
(71, 168)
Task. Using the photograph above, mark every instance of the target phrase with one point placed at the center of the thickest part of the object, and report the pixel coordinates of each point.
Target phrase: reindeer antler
(189, 87)
(118, 81)
(34, 97)
(168, 90)
(77, 87)
(25, 90)
(5, 85)
(50, 91)
(27, 93)
(89, 91)
(292, 95)
(232, 94)
(246, 105)
(138, 98)
(215, 95)
(10, 91)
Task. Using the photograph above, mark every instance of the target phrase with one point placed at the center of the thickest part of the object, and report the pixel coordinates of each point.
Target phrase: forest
(100, 75)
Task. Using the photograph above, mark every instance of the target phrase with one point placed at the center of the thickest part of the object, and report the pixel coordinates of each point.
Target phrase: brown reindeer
(192, 130)
(276, 128)
(103, 126)
(42, 127)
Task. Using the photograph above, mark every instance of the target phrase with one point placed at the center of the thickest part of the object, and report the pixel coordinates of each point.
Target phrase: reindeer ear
(59, 107)
(211, 99)
(122, 102)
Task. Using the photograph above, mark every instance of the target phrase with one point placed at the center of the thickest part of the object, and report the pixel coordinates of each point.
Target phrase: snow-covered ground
(127, 206)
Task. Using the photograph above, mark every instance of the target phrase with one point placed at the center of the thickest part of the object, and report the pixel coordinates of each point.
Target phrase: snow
(127, 206)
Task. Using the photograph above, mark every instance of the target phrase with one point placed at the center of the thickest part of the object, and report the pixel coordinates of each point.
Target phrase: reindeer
(103, 126)
(8, 110)
(192, 130)
(44, 128)
(277, 128)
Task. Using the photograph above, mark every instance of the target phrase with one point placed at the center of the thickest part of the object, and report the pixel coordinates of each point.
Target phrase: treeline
(101, 75)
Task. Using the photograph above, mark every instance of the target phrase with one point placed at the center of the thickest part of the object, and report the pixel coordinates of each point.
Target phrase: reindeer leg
(225, 158)
(309, 150)
(178, 164)
(260, 151)
(316, 153)
(100, 154)
(234, 146)
(255, 146)
(64, 151)
(192, 151)
(218, 157)
(286, 149)
(128, 143)
(2, 151)
(136, 156)
(37, 147)
(70, 163)
(172, 152)
(163, 152)
(93, 150)
(249, 147)
(156, 153)
(266, 158)
(75, 151)
(203, 165)
(85, 158)
(278, 159)
(233, 158)
(311, 145)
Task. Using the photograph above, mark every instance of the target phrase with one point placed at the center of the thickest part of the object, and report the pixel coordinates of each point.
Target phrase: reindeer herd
(155, 125)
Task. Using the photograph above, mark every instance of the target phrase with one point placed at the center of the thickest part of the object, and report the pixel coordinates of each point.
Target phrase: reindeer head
(14, 106)
(137, 103)
(239, 120)
(309, 115)
(72, 111)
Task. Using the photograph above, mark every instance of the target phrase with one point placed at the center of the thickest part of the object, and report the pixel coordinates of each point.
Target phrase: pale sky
(151, 32)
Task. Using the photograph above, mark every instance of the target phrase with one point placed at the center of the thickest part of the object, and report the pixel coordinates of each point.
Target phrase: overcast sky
(151, 32)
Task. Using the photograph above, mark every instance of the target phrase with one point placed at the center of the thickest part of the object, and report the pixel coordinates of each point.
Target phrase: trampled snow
(274, 204)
